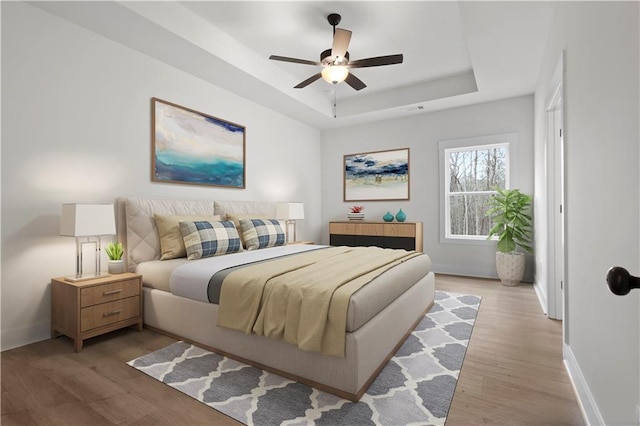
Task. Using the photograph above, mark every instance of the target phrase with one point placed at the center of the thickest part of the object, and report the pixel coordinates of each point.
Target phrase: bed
(380, 314)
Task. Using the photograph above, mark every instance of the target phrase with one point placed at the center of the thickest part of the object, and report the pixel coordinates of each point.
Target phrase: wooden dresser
(402, 235)
(93, 307)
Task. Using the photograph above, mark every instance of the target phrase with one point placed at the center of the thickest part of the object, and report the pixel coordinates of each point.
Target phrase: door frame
(556, 229)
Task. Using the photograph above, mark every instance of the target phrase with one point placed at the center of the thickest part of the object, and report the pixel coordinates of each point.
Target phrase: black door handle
(620, 281)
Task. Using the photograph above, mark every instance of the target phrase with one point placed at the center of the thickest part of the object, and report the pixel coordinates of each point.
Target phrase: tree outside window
(472, 174)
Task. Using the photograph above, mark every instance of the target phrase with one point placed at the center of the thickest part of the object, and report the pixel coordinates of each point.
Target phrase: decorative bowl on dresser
(85, 309)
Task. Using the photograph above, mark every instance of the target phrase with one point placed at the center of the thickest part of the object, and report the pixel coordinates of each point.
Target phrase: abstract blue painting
(195, 148)
(373, 176)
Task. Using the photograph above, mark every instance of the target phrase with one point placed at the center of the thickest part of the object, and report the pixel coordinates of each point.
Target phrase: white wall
(76, 128)
(421, 133)
(602, 149)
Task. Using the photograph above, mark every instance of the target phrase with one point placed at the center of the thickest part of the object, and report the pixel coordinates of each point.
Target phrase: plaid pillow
(171, 241)
(261, 233)
(209, 238)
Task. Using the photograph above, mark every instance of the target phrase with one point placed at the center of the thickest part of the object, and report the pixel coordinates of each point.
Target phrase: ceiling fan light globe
(335, 74)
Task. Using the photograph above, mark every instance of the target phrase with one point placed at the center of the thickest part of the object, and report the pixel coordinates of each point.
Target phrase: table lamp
(290, 212)
(87, 223)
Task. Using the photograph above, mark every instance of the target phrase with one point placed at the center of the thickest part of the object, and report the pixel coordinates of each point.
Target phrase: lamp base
(291, 231)
(85, 277)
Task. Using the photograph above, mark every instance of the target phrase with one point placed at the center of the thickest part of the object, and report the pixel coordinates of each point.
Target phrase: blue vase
(388, 217)
(401, 217)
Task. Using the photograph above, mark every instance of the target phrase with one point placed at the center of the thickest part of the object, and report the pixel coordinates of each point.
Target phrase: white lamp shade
(86, 220)
(334, 73)
(290, 211)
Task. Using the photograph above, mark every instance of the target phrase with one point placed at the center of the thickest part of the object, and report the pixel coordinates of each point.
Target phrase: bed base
(368, 349)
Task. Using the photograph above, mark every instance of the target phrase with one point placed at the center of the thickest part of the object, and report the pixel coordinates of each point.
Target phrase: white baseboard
(473, 271)
(542, 297)
(465, 270)
(590, 412)
(21, 336)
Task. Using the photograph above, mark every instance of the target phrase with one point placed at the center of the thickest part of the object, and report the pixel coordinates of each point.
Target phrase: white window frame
(506, 140)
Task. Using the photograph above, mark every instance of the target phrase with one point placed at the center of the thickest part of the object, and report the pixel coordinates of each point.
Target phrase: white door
(558, 216)
(555, 185)
(627, 288)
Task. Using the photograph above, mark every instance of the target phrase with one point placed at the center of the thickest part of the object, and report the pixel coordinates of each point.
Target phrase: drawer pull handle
(108, 314)
(109, 293)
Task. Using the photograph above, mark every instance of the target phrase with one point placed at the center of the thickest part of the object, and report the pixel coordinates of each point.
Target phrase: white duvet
(192, 279)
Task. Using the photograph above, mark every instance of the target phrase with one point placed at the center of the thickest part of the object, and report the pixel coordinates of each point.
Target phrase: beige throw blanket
(303, 299)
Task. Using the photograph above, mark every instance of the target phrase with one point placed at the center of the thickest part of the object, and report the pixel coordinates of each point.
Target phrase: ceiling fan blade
(294, 60)
(376, 62)
(308, 81)
(341, 40)
(354, 82)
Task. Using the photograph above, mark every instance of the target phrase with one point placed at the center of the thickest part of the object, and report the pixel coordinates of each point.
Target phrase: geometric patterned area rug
(415, 387)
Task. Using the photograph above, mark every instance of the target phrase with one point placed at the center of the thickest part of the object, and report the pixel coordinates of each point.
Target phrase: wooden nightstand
(90, 308)
(301, 242)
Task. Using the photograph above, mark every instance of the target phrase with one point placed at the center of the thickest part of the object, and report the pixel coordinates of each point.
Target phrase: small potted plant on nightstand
(356, 213)
(513, 226)
(115, 251)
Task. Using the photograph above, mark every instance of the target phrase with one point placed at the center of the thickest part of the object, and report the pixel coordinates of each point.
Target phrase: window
(472, 169)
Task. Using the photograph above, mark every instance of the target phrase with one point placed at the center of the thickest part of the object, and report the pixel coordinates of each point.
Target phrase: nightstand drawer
(108, 313)
(108, 292)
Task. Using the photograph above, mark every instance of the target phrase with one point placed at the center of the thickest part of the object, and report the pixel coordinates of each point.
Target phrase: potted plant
(509, 210)
(114, 252)
(356, 213)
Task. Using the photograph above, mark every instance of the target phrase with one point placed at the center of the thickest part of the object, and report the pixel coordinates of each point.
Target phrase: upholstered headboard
(136, 226)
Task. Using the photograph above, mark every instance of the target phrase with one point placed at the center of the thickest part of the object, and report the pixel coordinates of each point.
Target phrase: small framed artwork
(374, 176)
(192, 147)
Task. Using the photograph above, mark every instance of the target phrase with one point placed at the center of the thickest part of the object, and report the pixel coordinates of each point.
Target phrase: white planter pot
(116, 266)
(510, 267)
(355, 216)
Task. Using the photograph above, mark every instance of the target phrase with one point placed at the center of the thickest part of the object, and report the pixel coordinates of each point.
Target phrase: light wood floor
(512, 374)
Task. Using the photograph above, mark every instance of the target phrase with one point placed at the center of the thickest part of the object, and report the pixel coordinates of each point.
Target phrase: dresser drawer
(359, 228)
(400, 230)
(395, 235)
(108, 292)
(108, 313)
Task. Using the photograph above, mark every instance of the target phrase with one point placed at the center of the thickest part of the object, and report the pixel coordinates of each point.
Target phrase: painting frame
(377, 175)
(194, 148)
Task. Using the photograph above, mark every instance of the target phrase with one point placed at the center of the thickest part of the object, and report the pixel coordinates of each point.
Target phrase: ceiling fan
(335, 61)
